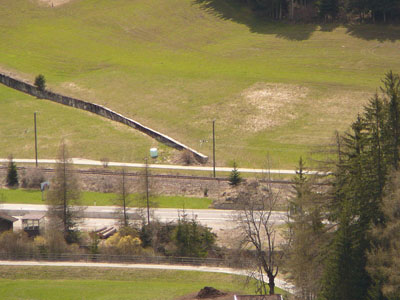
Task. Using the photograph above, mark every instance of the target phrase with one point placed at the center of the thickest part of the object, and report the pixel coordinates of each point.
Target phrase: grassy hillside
(84, 133)
(176, 65)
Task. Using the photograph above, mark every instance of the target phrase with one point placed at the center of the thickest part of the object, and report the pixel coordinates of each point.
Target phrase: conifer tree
(191, 238)
(12, 174)
(392, 91)
(40, 82)
(375, 161)
(307, 238)
(234, 177)
(366, 155)
(383, 257)
(345, 276)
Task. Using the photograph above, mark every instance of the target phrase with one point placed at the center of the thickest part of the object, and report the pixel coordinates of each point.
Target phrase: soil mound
(209, 292)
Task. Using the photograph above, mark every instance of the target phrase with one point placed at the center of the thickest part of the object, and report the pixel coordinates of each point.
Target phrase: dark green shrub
(12, 175)
(234, 177)
(192, 239)
(40, 82)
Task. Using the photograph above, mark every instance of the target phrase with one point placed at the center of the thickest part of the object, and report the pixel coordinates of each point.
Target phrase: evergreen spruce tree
(365, 157)
(383, 256)
(375, 162)
(392, 91)
(345, 276)
(308, 237)
(40, 82)
(234, 177)
(192, 239)
(12, 174)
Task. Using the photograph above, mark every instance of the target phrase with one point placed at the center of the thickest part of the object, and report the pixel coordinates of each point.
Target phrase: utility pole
(124, 198)
(147, 190)
(36, 156)
(214, 147)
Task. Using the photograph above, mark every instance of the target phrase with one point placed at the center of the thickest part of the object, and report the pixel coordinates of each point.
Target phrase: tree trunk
(292, 10)
(271, 284)
(65, 196)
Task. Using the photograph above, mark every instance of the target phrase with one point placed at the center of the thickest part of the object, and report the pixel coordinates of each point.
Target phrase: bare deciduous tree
(123, 199)
(63, 198)
(258, 234)
(147, 190)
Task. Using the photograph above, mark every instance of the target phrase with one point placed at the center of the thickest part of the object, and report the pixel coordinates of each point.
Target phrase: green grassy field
(47, 283)
(175, 65)
(82, 131)
(103, 199)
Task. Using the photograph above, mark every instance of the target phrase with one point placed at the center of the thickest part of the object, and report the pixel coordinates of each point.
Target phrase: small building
(6, 222)
(258, 297)
(33, 223)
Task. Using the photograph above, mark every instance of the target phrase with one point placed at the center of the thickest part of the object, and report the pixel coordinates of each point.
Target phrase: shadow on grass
(374, 32)
(239, 12)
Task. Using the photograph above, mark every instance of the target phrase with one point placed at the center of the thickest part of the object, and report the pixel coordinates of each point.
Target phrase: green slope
(176, 65)
(49, 283)
(86, 134)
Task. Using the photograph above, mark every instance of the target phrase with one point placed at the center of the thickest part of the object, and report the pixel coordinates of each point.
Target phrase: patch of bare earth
(76, 89)
(272, 104)
(53, 3)
(15, 74)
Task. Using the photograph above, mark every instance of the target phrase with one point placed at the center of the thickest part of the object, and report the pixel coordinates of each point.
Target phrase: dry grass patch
(74, 88)
(54, 3)
(272, 104)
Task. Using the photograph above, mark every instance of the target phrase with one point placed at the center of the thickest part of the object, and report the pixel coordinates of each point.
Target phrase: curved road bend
(280, 283)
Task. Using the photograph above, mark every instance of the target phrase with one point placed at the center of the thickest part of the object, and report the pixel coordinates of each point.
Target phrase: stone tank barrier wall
(98, 110)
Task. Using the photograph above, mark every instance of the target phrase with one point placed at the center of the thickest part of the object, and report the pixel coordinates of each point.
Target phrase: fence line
(136, 259)
(168, 176)
(98, 110)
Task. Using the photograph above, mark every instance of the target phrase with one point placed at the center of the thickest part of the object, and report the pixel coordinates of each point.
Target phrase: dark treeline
(367, 156)
(356, 254)
(364, 10)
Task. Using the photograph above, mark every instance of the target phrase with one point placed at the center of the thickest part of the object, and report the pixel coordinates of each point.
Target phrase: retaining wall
(98, 110)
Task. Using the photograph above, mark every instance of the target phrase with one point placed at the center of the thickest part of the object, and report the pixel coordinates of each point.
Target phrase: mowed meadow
(77, 283)
(273, 89)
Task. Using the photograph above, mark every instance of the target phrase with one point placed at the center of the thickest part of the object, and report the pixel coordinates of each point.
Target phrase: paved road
(88, 162)
(100, 216)
(280, 283)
